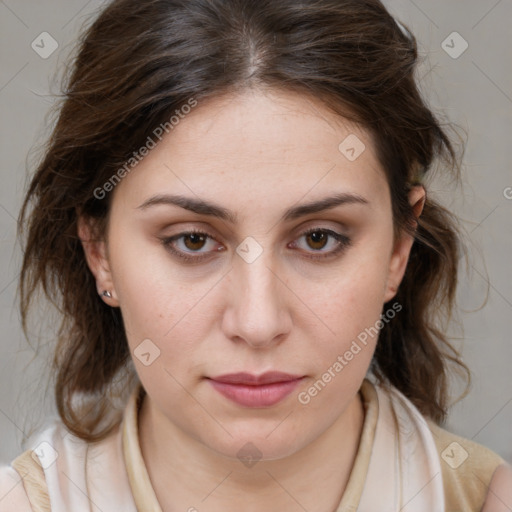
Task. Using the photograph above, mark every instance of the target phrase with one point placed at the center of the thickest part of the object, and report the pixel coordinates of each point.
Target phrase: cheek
(353, 299)
(339, 359)
(351, 304)
(155, 300)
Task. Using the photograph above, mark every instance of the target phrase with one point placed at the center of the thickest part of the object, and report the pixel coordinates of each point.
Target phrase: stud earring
(106, 293)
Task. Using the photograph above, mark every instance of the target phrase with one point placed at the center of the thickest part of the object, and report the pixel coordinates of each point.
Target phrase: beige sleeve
(29, 492)
(467, 468)
(13, 497)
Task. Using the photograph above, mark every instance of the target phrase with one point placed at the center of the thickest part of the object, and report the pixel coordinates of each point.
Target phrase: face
(278, 257)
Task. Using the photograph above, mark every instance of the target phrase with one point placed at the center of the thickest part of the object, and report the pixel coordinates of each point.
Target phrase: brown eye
(192, 246)
(194, 241)
(317, 239)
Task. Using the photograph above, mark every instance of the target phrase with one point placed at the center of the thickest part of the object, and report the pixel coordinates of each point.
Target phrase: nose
(258, 305)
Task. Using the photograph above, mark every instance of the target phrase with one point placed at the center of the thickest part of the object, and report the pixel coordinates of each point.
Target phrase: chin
(250, 445)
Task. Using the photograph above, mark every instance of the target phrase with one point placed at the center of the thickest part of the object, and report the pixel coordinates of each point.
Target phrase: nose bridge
(258, 282)
(252, 266)
(259, 306)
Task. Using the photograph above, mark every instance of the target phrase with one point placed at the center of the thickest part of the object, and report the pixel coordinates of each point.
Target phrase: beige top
(467, 469)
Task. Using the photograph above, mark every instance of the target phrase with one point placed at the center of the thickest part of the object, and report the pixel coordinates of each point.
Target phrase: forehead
(255, 145)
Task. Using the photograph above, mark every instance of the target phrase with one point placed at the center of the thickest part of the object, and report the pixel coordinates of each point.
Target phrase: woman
(232, 217)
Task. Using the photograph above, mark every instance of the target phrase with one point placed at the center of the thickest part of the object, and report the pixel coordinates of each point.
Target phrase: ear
(96, 254)
(402, 247)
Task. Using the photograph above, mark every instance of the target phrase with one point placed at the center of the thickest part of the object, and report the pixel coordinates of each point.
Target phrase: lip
(251, 390)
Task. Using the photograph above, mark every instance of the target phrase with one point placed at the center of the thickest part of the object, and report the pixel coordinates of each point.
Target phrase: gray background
(473, 90)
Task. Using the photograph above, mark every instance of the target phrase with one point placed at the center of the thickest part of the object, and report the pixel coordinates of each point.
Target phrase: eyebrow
(202, 207)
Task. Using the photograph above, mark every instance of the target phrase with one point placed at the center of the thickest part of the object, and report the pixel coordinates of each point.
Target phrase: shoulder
(27, 481)
(23, 483)
(13, 497)
(470, 471)
(499, 496)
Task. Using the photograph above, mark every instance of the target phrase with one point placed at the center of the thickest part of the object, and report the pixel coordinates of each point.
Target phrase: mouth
(251, 390)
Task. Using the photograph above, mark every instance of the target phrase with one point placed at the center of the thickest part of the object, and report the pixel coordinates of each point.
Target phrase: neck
(187, 475)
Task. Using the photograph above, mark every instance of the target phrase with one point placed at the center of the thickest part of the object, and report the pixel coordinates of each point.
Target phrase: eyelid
(343, 243)
(183, 255)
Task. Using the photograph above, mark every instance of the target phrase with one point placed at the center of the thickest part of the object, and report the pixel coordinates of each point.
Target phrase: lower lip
(264, 395)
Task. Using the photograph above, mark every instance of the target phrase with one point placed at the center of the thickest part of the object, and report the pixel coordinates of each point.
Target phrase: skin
(499, 495)
(257, 154)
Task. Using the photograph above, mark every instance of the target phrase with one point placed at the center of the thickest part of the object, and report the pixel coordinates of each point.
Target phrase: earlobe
(402, 247)
(96, 255)
(397, 265)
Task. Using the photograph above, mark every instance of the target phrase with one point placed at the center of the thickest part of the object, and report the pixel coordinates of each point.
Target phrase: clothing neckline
(140, 482)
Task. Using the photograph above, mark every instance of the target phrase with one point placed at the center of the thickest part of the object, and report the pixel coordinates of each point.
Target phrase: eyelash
(343, 243)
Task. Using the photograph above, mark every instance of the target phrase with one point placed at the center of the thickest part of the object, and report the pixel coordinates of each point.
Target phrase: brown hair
(142, 60)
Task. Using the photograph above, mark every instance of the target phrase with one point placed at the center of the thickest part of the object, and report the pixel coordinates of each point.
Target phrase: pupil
(195, 239)
(318, 237)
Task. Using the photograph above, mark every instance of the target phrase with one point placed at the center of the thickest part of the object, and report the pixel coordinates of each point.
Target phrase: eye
(194, 246)
(319, 239)
(191, 242)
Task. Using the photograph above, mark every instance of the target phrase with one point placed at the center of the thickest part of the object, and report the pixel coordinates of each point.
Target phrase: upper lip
(255, 380)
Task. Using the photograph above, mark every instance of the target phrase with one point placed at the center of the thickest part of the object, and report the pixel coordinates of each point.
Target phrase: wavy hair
(139, 62)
